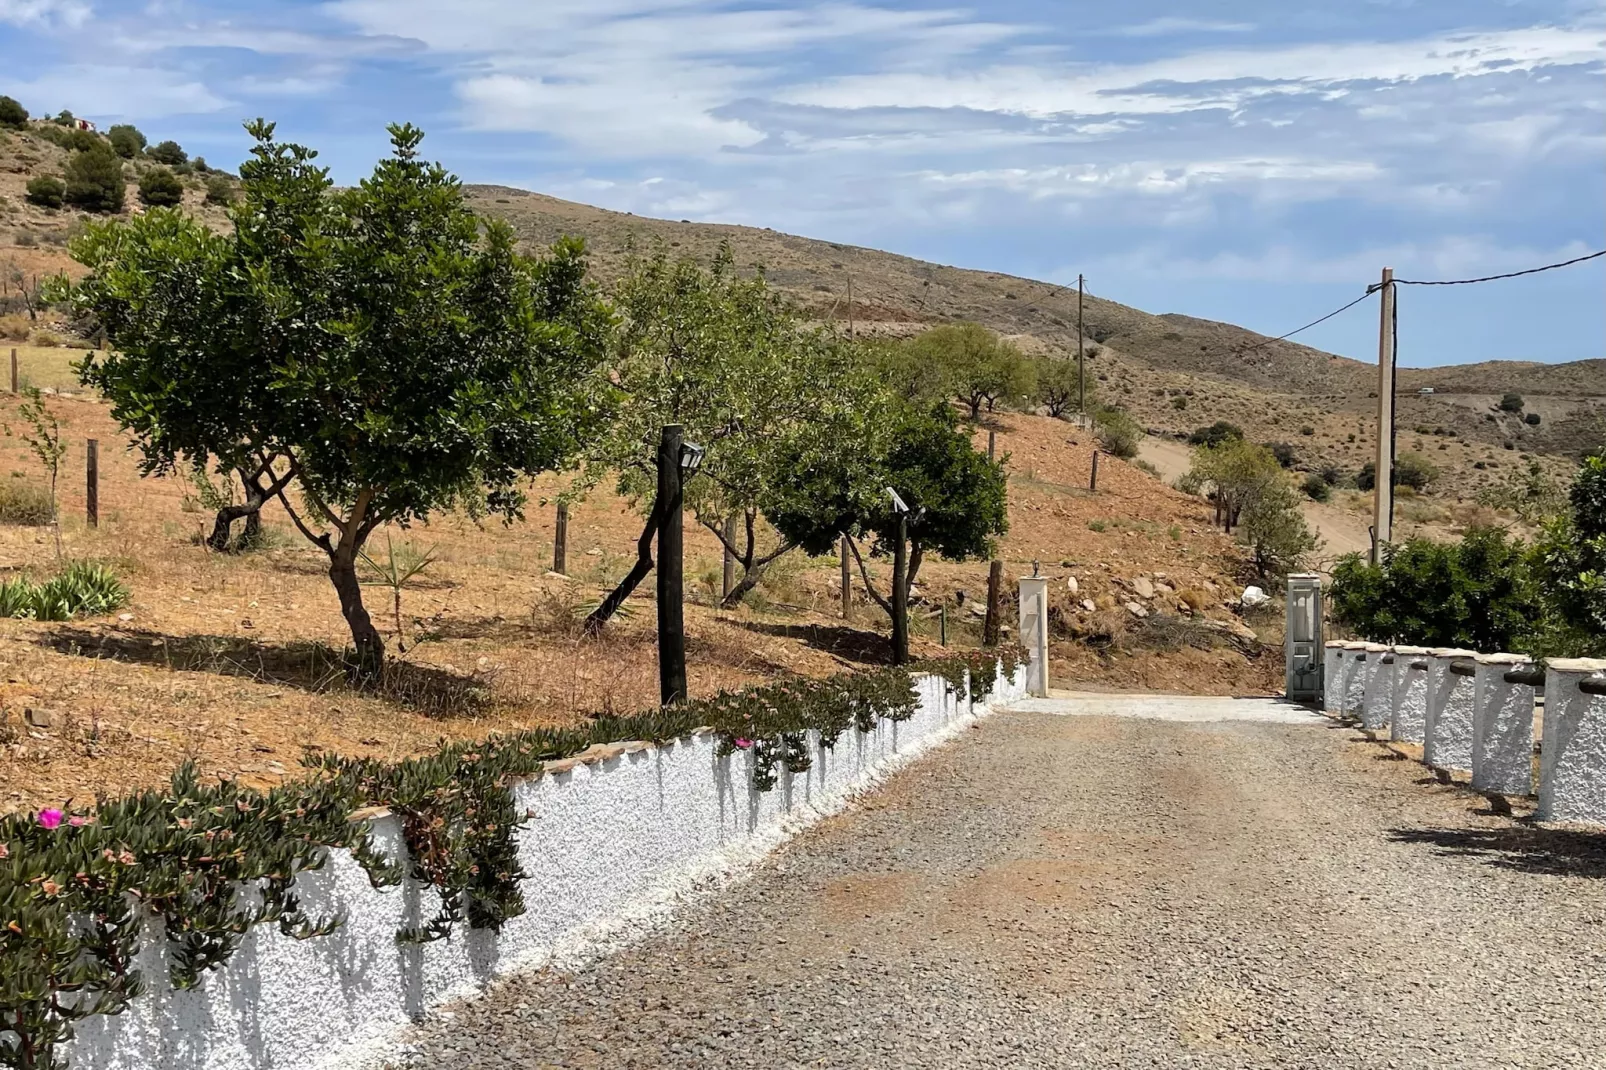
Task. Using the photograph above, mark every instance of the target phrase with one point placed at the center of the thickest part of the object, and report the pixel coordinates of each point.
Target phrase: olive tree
(380, 350)
(982, 369)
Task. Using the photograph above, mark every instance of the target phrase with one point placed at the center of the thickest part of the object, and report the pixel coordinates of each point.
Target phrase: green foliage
(63, 118)
(95, 179)
(1287, 456)
(219, 190)
(43, 438)
(399, 567)
(1532, 419)
(12, 113)
(214, 861)
(1179, 402)
(1410, 470)
(905, 372)
(160, 188)
(1316, 488)
(1118, 432)
(82, 589)
(382, 344)
(1058, 386)
(1214, 435)
(126, 140)
(1237, 473)
(1274, 530)
(169, 153)
(47, 191)
(1511, 403)
(981, 369)
(1532, 495)
(1477, 593)
(1570, 565)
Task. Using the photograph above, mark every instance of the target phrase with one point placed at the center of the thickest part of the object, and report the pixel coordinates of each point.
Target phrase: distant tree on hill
(12, 113)
(47, 191)
(1058, 386)
(381, 347)
(64, 118)
(1214, 435)
(126, 140)
(168, 152)
(1118, 432)
(160, 188)
(95, 179)
(981, 367)
(1511, 403)
(219, 190)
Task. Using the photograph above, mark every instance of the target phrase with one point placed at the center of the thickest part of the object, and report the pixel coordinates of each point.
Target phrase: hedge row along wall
(330, 931)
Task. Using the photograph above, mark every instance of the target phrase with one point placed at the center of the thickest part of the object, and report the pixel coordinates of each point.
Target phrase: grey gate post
(1302, 639)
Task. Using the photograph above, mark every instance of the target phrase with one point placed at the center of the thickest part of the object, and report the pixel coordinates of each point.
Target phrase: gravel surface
(1055, 891)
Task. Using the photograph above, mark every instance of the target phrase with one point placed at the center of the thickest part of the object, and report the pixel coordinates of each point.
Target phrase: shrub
(1307, 431)
(95, 180)
(1415, 471)
(1275, 531)
(1118, 433)
(12, 113)
(170, 153)
(1532, 419)
(198, 165)
(126, 140)
(1214, 435)
(219, 190)
(1331, 474)
(1179, 402)
(1511, 403)
(47, 191)
(160, 188)
(83, 588)
(1316, 488)
(63, 118)
(1285, 453)
(24, 503)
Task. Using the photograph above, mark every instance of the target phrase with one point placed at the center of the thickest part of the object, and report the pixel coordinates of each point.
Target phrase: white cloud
(119, 92)
(69, 13)
(1174, 25)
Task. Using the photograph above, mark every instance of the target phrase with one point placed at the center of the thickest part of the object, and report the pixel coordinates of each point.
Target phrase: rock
(1164, 589)
(1072, 587)
(977, 609)
(1136, 610)
(1253, 596)
(125, 617)
(1143, 587)
(1089, 605)
(38, 718)
(549, 574)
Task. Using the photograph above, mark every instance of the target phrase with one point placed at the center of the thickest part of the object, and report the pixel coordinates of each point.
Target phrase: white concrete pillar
(1354, 689)
(1503, 727)
(1408, 720)
(1572, 756)
(1034, 632)
(1377, 687)
(1452, 698)
(1332, 681)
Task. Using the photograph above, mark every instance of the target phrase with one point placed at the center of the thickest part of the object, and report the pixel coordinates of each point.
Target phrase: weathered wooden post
(1093, 480)
(728, 577)
(560, 541)
(15, 387)
(992, 445)
(995, 604)
(671, 611)
(942, 614)
(847, 579)
(92, 483)
(900, 591)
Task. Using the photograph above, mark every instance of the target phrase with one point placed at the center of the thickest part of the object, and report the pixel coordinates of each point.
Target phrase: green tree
(1316, 488)
(1058, 386)
(382, 348)
(64, 118)
(1214, 435)
(1237, 474)
(160, 188)
(47, 191)
(958, 498)
(1570, 565)
(1511, 403)
(1118, 432)
(12, 113)
(95, 179)
(1274, 530)
(981, 368)
(219, 190)
(169, 153)
(734, 363)
(126, 140)
(1410, 470)
(906, 371)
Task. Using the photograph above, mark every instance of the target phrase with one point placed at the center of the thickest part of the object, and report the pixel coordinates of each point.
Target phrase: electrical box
(1302, 644)
(1034, 633)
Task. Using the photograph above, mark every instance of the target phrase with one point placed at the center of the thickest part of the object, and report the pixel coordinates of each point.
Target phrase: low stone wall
(617, 836)
(1476, 712)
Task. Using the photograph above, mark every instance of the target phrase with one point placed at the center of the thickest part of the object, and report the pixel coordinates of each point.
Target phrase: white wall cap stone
(1452, 652)
(1584, 665)
(1411, 651)
(1375, 648)
(1504, 659)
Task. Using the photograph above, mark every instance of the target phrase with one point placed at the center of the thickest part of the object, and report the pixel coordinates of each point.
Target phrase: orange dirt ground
(232, 660)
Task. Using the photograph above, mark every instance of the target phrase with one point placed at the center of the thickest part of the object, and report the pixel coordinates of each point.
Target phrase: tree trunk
(256, 495)
(369, 644)
(633, 578)
(751, 577)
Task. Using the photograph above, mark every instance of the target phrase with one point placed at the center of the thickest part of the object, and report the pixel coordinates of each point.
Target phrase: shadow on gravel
(1525, 847)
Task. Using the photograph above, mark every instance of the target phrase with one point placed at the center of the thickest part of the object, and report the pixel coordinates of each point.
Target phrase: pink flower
(743, 744)
(77, 822)
(50, 818)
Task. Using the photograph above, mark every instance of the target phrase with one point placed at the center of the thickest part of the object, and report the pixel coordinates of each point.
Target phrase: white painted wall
(1332, 677)
(1452, 702)
(1408, 719)
(1377, 687)
(1572, 763)
(1354, 678)
(611, 847)
(1503, 728)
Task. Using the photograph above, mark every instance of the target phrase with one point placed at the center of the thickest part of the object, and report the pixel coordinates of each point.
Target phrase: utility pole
(671, 611)
(900, 592)
(1081, 365)
(1383, 485)
(850, 306)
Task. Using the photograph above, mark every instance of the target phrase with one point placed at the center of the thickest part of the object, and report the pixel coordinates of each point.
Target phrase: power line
(1308, 326)
(1492, 278)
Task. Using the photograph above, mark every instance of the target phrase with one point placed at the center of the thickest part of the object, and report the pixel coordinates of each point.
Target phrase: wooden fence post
(847, 580)
(560, 541)
(728, 574)
(1093, 480)
(15, 388)
(992, 445)
(92, 483)
(995, 604)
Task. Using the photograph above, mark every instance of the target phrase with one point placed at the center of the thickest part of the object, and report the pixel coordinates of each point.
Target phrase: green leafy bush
(126, 140)
(1532, 419)
(160, 188)
(95, 180)
(1410, 470)
(1214, 435)
(219, 190)
(168, 152)
(83, 588)
(1118, 432)
(1316, 488)
(47, 191)
(12, 113)
(1511, 403)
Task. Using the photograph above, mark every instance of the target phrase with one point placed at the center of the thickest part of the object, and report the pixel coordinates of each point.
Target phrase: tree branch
(864, 574)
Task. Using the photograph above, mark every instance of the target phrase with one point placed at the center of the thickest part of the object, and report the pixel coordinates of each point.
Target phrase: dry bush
(14, 327)
(560, 611)
(24, 503)
(46, 339)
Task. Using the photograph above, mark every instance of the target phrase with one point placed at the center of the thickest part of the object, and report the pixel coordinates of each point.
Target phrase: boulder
(1072, 587)
(1136, 610)
(1143, 588)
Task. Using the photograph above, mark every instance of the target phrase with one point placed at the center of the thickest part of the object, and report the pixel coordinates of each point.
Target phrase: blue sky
(1247, 160)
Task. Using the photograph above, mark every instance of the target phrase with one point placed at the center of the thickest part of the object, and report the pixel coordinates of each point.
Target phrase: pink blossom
(77, 821)
(50, 818)
(743, 744)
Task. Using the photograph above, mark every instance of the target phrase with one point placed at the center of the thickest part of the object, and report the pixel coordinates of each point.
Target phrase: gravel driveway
(1098, 891)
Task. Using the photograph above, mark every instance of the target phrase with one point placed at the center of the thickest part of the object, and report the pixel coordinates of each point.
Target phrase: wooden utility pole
(847, 579)
(728, 578)
(1383, 486)
(995, 604)
(560, 541)
(1081, 365)
(850, 306)
(671, 610)
(92, 483)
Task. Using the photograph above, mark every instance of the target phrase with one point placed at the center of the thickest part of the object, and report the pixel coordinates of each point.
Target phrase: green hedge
(76, 886)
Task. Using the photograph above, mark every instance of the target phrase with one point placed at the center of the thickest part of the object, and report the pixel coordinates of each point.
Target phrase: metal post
(728, 578)
(942, 616)
(847, 579)
(1383, 486)
(995, 604)
(1081, 367)
(1093, 480)
(671, 611)
(560, 541)
(900, 592)
(92, 483)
